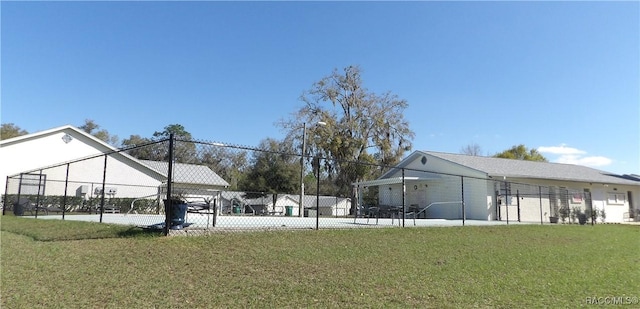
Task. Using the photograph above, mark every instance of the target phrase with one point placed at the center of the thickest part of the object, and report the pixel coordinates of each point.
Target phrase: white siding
(31, 152)
(441, 181)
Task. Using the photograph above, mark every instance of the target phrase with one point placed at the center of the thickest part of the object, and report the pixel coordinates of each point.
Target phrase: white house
(68, 159)
(267, 205)
(450, 186)
(329, 205)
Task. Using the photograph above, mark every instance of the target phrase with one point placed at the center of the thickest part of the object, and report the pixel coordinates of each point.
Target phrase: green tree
(144, 148)
(184, 148)
(178, 131)
(360, 126)
(10, 130)
(229, 164)
(271, 171)
(521, 152)
(93, 128)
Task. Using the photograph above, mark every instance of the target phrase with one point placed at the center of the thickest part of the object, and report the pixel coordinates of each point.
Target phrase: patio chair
(397, 212)
(53, 208)
(203, 208)
(368, 212)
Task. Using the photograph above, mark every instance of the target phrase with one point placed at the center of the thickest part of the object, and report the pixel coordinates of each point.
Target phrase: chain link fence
(174, 184)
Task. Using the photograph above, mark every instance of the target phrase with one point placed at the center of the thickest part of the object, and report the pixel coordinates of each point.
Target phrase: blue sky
(560, 77)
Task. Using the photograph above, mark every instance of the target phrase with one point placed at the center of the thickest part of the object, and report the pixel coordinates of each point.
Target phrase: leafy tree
(360, 126)
(178, 131)
(230, 165)
(184, 148)
(521, 152)
(272, 171)
(10, 130)
(472, 150)
(89, 126)
(136, 143)
(92, 128)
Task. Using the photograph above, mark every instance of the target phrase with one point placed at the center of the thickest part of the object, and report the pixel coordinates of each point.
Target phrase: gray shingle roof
(188, 173)
(535, 170)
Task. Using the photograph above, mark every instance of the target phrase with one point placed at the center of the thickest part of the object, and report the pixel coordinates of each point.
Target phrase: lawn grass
(67, 229)
(452, 267)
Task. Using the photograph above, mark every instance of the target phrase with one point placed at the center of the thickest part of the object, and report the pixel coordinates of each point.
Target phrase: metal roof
(498, 167)
(188, 173)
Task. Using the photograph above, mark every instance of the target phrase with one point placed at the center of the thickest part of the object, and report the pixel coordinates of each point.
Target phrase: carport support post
(464, 215)
(104, 183)
(167, 207)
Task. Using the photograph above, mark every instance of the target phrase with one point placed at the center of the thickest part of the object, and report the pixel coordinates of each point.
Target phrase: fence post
(551, 213)
(506, 199)
(19, 193)
(104, 183)
(64, 198)
(540, 196)
(464, 214)
(167, 207)
(318, 194)
(518, 203)
(589, 202)
(404, 193)
(38, 195)
(6, 196)
(301, 200)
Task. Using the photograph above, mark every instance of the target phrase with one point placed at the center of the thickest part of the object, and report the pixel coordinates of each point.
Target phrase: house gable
(47, 149)
(425, 165)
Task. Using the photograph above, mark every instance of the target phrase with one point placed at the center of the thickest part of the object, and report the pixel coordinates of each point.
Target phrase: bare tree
(472, 150)
(360, 126)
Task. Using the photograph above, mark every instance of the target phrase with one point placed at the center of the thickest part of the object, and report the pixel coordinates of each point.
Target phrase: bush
(575, 213)
(564, 213)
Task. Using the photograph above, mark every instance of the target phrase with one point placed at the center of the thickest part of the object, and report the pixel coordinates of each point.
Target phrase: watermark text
(611, 300)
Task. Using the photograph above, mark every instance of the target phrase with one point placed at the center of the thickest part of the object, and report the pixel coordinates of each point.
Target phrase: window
(576, 198)
(616, 198)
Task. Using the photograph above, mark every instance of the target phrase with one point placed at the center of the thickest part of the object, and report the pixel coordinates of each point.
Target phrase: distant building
(68, 159)
(436, 184)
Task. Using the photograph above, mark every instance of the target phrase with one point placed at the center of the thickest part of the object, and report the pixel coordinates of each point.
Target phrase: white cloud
(592, 161)
(570, 155)
(561, 150)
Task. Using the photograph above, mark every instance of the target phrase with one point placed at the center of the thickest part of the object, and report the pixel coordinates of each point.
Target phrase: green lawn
(55, 264)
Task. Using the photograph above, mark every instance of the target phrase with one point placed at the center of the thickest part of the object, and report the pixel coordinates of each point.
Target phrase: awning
(391, 181)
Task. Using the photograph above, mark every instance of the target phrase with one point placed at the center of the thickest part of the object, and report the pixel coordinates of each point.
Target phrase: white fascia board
(390, 181)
